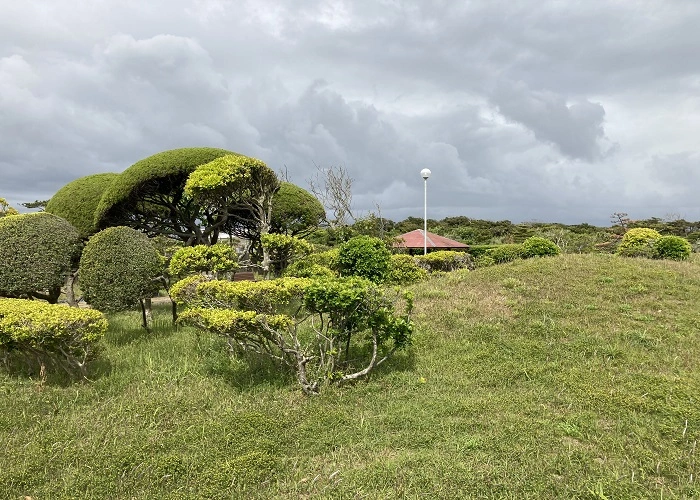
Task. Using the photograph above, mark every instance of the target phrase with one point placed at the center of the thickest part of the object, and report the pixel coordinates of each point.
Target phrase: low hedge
(445, 260)
(64, 336)
(506, 253)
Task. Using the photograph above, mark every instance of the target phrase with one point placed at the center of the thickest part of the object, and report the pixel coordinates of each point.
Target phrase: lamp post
(425, 173)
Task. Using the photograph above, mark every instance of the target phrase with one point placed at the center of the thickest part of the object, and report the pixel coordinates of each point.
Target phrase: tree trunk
(143, 315)
(70, 290)
(149, 310)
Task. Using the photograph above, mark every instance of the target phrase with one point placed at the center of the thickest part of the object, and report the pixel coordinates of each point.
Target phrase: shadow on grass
(126, 327)
(245, 371)
(19, 366)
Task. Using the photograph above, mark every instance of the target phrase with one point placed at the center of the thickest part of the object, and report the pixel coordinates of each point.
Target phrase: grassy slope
(574, 376)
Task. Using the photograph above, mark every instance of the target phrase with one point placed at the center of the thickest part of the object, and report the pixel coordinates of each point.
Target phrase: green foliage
(484, 261)
(149, 196)
(271, 317)
(64, 336)
(77, 201)
(284, 249)
(6, 209)
(364, 256)
(119, 266)
(216, 259)
(265, 297)
(295, 211)
(164, 172)
(506, 253)
(445, 260)
(638, 242)
(672, 247)
(536, 246)
(318, 265)
(38, 252)
(404, 270)
(307, 269)
(230, 176)
(477, 251)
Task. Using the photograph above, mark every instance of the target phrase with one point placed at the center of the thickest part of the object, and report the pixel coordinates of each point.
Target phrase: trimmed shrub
(672, 247)
(364, 256)
(328, 259)
(161, 173)
(445, 260)
(306, 269)
(506, 253)
(403, 270)
(119, 267)
(65, 336)
(638, 242)
(283, 250)
(256, 317)
(77, 201)
(216, 259)
(295, 211)
(536, 246)
(38, 252)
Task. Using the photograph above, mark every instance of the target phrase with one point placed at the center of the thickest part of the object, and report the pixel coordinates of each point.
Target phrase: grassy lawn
(566, 377)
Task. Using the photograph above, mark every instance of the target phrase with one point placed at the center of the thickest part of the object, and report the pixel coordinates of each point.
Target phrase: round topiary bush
(77, 201)
(672, 247)
(119, 266)
(536, 246)
(364, 256)
(38, 252)
(638, 242)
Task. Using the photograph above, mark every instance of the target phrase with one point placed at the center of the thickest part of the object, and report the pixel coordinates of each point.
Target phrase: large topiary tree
(119, 268)
(295, 211)
(38, 251)
(149, 196)
(239, 191)
(77, 201)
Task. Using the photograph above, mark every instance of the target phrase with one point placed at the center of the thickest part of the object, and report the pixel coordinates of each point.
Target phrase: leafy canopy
(77, 201)
(149, 196)
(295, 211)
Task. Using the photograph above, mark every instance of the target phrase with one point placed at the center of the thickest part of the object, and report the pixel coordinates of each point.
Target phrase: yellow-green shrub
(216, 259)
(445, 260)
(638, 242)
(63, 335)
(403, 270)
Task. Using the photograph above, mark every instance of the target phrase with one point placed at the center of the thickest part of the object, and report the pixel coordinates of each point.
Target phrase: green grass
(566, 377)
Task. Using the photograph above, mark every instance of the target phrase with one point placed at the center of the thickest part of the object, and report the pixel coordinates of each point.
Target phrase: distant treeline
(571, 238)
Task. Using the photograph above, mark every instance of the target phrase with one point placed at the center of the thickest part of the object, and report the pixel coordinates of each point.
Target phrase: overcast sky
(547, 110)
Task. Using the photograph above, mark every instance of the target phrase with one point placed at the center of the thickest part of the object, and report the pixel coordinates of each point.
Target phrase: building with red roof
(413, 240)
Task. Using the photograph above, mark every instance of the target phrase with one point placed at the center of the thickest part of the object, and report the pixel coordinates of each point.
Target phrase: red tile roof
(414, 239)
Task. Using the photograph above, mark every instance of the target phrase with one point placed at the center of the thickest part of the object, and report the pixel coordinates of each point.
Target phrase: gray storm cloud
(525, 110)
